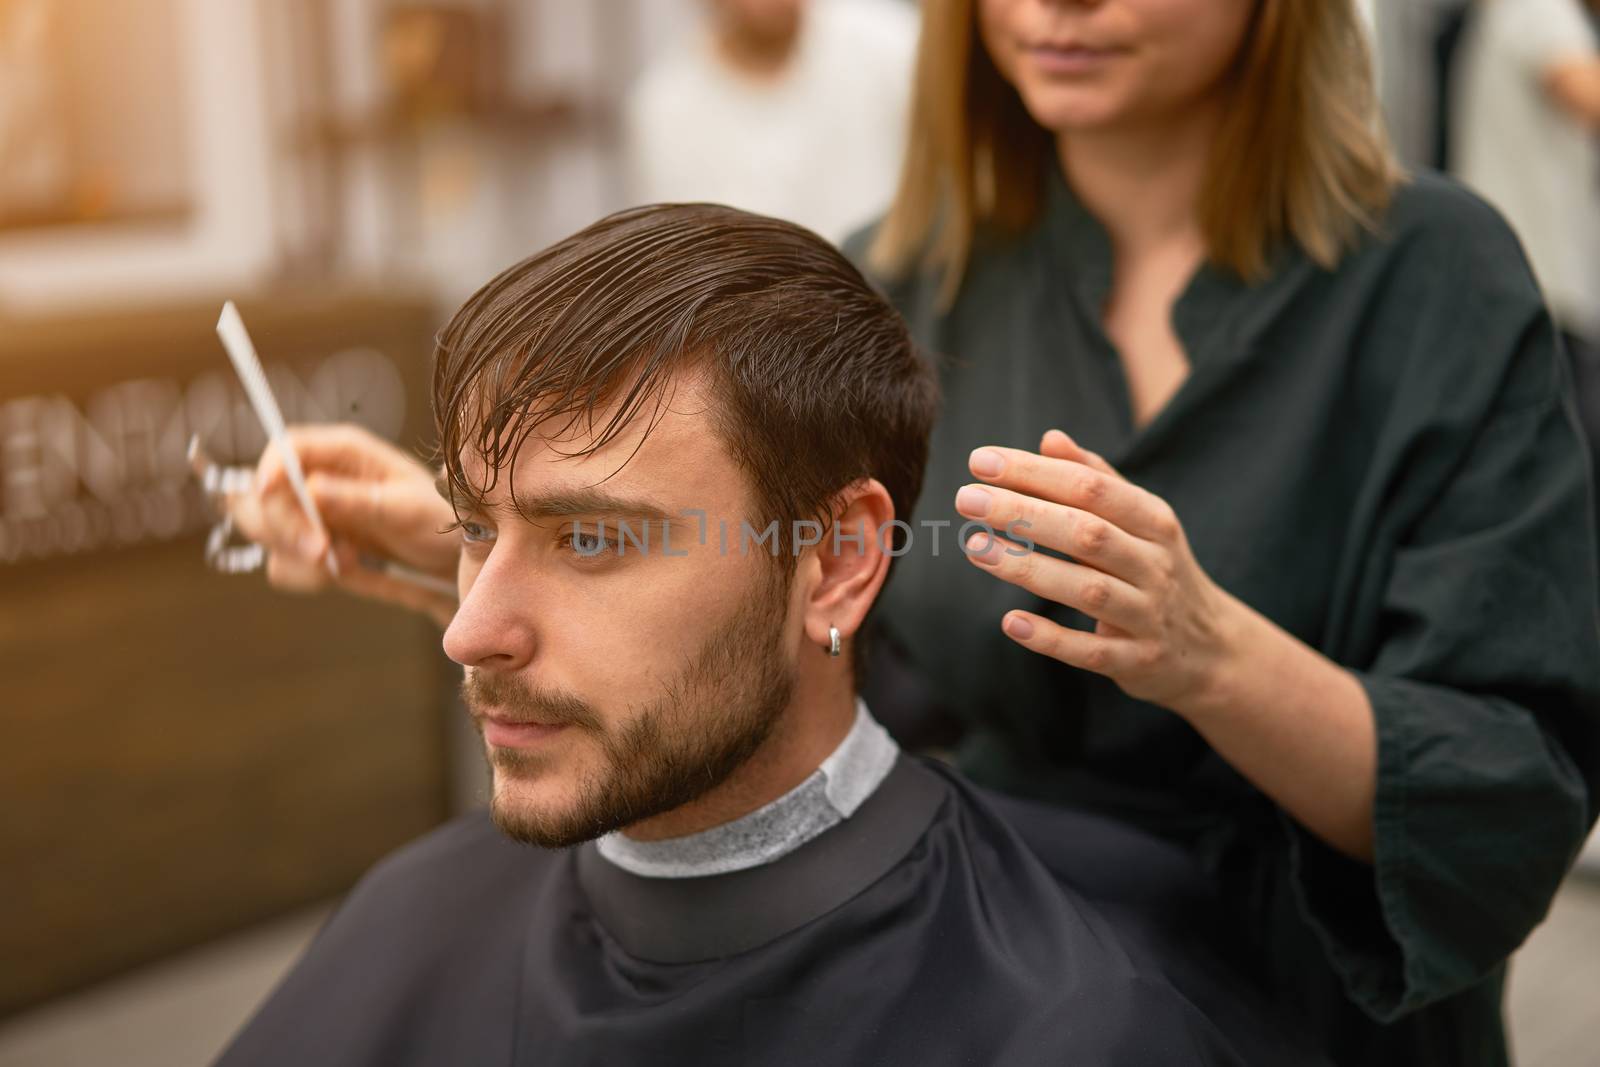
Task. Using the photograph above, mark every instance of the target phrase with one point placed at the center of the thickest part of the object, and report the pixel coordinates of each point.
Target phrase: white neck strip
(830, 795)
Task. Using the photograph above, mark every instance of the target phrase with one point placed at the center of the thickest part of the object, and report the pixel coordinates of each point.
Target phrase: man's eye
(476, 533)
(588, 542)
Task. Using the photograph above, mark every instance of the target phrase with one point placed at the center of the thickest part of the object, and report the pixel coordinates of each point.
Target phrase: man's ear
(853, 561)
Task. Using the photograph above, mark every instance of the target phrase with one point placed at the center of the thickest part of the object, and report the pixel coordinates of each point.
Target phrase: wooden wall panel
(183, 752)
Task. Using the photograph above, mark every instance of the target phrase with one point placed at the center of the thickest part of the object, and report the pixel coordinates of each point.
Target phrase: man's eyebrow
(581, 501)
(586, 501)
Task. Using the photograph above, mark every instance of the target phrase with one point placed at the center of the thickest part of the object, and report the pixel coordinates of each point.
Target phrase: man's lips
(513, 733)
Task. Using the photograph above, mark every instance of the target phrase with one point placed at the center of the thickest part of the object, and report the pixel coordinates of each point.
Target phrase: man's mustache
(514, 702)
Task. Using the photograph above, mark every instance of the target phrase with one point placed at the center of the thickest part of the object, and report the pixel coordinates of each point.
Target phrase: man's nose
(494, 626)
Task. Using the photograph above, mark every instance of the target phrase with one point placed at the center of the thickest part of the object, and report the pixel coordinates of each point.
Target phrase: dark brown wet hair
(817, 382)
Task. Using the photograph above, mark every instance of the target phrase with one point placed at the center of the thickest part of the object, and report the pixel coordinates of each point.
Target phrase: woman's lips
(1071, 58)
(504, 734)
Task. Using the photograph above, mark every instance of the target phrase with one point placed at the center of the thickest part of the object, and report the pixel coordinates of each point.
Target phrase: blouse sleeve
(1483, 671)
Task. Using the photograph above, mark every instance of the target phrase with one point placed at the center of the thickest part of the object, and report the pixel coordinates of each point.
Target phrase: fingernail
(1019, 627)
(1059, 433)
(973, 500)
(982, 547)
(986, 462)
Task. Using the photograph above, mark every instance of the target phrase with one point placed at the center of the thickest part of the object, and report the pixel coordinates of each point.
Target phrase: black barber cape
(922, 930)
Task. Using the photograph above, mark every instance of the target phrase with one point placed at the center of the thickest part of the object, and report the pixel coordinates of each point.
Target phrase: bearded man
(675, 444)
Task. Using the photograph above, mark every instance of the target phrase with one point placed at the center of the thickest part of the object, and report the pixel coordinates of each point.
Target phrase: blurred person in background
(1527, 136)
(1326, 613)
(791, 108)
(1416, 45)
(1415, 49)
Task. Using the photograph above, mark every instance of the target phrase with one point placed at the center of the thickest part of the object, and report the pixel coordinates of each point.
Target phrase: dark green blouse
(1383, 459)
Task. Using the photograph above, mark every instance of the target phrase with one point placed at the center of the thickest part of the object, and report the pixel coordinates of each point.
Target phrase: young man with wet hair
(675, 443)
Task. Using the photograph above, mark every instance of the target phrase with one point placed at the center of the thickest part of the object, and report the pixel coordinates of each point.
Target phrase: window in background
(90, 129)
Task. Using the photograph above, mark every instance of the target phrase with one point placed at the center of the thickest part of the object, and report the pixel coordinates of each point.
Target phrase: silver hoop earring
(834, 644)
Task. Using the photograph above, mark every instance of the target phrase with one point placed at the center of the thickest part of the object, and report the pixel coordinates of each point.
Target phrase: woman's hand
(1293, 722)
(376, 501)
(1161, 625)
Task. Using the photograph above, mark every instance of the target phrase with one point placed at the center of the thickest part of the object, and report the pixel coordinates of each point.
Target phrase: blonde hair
(1300, 154)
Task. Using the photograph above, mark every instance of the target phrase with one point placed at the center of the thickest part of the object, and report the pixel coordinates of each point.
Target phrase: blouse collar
(1212, 318)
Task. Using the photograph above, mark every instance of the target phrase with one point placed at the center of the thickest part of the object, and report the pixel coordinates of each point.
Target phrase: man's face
(766, 20)
(612, 683)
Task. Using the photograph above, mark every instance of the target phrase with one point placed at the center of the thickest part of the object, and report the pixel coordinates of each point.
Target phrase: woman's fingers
(273, 514)
(284, 526)
(364, 489)
(1057, 445)
(1084, 536)
(1097, 652)
(1098, 595)
(1077, 485)
(367, 493)
(342, 449)
(294, 574)
(403, 517)
(358, 508)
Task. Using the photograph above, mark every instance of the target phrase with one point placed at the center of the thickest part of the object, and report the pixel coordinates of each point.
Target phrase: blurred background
(193, 767)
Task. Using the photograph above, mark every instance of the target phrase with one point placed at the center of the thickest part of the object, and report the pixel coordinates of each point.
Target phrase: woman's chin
(1065, 111)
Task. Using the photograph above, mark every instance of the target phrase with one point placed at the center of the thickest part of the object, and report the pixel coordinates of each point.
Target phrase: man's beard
(709, 721)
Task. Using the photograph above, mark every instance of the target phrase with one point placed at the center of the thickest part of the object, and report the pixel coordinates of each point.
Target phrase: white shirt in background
(1526, 155)
(1405, 32)
(819, 143)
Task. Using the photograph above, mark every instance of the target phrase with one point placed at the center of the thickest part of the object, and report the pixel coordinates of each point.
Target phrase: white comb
(230, 327)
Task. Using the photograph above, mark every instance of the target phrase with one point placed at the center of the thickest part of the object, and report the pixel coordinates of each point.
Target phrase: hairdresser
(1318, 594)
(1322, 600)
